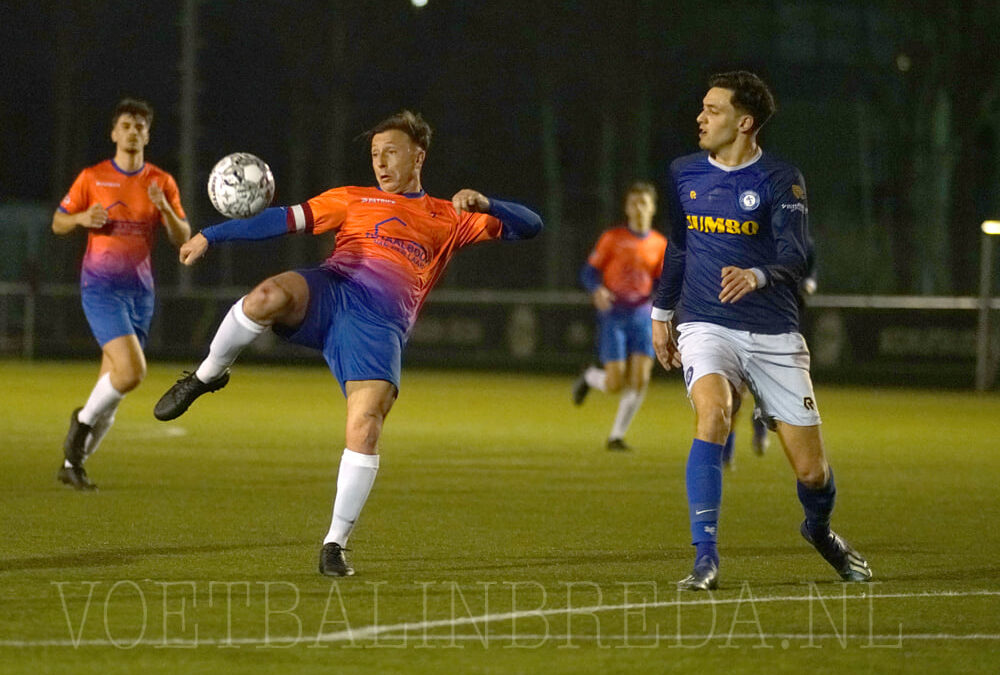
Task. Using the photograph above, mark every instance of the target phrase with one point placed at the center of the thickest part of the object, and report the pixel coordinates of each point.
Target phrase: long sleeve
(790, 227)
(668, 290)
(518, 222)
(269, 223)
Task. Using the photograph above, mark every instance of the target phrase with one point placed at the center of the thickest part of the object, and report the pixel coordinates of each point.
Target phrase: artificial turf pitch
(500, 535)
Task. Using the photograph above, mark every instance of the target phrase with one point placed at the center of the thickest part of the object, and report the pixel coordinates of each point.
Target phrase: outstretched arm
(193, 248)
(269, 223)
(519, 222)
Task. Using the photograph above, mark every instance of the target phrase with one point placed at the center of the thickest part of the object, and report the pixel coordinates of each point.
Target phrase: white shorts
(774, 367)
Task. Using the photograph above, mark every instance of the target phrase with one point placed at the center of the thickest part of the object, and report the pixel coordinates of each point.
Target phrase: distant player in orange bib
(121, 203)
(357, 308)
(620, 275)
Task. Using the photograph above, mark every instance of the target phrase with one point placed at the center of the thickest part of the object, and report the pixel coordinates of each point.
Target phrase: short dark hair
(750, 94)
(135, 107)
(642, 187)
(410, 123)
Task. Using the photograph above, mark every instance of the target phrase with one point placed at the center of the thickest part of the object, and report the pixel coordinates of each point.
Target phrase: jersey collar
(127, 173)
(408, 195)
(752, 160)
(637, 235)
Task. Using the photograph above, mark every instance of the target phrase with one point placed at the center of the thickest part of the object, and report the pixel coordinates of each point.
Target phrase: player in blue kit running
(738, 249)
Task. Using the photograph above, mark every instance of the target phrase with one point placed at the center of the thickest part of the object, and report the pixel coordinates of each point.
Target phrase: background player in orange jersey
(357, 308)
(621, 274)
(121, 204)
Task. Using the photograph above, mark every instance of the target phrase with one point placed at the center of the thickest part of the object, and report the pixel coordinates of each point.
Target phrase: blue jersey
(750, 216)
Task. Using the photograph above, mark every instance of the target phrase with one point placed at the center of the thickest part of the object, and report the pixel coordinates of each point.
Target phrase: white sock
(236, 331)
(354, 482)
(596, 378)
(98, 431)
(103, 398)
(628, 406)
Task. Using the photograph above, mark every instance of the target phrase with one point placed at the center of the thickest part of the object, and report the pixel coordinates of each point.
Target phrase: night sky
(297, 82)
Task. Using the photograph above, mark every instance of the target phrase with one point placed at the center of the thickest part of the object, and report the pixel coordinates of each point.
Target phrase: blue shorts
(357, 343)
(623, 331)
(114, 312)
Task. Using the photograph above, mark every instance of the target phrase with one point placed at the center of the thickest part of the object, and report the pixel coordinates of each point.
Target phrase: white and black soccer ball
(241, 185)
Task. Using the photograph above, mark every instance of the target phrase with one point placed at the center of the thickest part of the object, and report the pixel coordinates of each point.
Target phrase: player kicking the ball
(357, 308)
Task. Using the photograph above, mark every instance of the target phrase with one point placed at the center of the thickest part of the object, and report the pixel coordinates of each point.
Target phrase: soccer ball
(241, 185)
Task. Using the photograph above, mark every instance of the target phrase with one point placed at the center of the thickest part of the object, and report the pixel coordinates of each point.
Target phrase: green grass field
(500, 535)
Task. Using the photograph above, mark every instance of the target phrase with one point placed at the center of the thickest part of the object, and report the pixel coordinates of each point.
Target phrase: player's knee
(125, 380)
(266, 301)
(813, 476)
(613, 382)
(363, 431)
(640, 381)
(713, 421)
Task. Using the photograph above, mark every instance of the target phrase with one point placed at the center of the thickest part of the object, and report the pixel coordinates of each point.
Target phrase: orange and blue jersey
(627, 263)
(118, 254)
(392, 248)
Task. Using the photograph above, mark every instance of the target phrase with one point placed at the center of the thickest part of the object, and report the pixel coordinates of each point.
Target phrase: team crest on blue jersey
(749, 200)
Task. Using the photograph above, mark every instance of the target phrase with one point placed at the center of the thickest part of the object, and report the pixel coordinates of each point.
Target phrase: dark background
(890, 109)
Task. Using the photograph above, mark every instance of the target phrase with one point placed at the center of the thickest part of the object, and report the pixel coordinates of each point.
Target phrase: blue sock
(727, 449)
(706, 548)
(704, 489)
(818, 506)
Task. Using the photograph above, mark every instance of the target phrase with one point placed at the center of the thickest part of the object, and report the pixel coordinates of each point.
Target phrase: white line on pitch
(638, 640)
(376, 630)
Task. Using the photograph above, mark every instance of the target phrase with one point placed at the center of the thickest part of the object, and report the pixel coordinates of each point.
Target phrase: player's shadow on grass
(125, 556)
